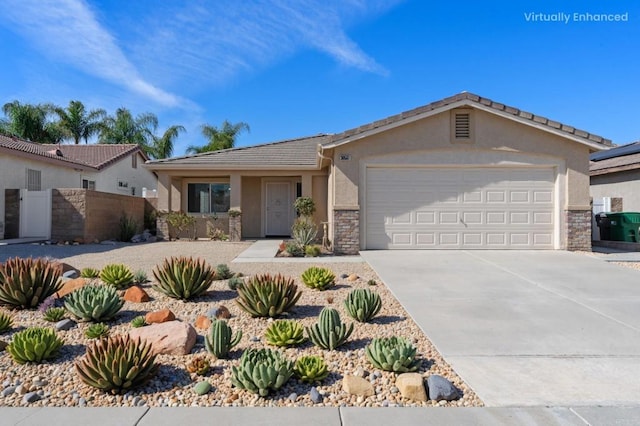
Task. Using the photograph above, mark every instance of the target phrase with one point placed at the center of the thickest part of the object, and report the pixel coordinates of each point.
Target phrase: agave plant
(267, 296)
(220, 339)
(54, 314)
(34, 344)
(261, 370)
(285, 333)
(223, 272)
(140, 277)
(183, 277)
(199, 365)
(117, 364)
(6, 322)
(25, 283)
(363, 304)
(94, 302)
(329, 332)
(235, 282)
(392, 354)
(318, 278)
(138, 321)
(310, 369)
(97, 331)
(89, 273)
(117, 274)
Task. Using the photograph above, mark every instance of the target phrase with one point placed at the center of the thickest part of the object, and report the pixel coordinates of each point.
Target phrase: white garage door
(483, 208)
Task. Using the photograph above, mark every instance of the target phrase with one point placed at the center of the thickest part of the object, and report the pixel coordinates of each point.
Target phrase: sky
(295, 68)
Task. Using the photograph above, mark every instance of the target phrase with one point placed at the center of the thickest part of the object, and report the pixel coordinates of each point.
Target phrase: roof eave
(615, 169)
(200, 166)
(48, 160)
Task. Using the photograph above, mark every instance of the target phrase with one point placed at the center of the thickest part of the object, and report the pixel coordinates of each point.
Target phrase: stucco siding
(251, 207)
(625, 185)
(107, 179)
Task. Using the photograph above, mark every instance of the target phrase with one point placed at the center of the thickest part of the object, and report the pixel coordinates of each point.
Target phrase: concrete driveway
(525, 327)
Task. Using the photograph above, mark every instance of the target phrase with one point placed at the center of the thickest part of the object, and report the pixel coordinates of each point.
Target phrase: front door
(35, 214)
(278, 218)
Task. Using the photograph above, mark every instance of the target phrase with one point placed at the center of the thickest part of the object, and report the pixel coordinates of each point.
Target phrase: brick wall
(68, 208)
(346, 239)
(578, 229)
(11, 213)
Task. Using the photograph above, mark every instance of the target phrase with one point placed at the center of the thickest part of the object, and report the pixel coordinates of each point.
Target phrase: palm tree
(223, 138)
(77, 124)
(125, 128)
(30, 122)
(163, 146)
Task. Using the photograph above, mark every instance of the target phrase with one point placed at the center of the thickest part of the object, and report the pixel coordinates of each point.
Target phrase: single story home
(615, 176)
(464, 172)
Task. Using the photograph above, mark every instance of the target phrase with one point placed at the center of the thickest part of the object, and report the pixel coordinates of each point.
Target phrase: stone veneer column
(235, 228)
(346, 231)
(162, 227)
(578, 229)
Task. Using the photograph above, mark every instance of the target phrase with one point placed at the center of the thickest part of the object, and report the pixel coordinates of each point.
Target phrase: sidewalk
(264, 251)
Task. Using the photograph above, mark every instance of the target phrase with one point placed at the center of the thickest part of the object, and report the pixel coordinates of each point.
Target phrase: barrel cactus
(285, 333)
(261, 370)
(183, 277)
(94, 302)
(318, 278)
(267, 296)
(117, 274)
(310, 369)
(220, 339)
(34, 344)
(392, 354)
(363, 304)
(25, 283)
(329, 332)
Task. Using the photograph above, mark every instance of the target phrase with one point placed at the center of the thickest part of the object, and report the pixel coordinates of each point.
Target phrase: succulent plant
(139, 321)
(312, 251)
(117, 364)
(223, 272)
(140, 277)
(392, 354)
(310, 369)
(220, 340)
(372, 282)
(117, 274)
(34, 344)
(94, 302)
(285, 333)
(89, 273)
(318, 278)
(235, 282)
(6, 321)
(363, 304)
(54, 314)
(25, 283)
(183, 277)
(261, 370)
(329, 332)
(199, 365)
(267, 296)
(96, 331)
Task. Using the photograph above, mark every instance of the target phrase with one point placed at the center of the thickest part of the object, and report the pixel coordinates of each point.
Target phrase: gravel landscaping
(56, 383)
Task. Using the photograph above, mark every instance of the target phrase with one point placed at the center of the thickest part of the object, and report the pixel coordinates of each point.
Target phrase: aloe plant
(261, 370)
(96, 331)
(318, 278)
(363, 304)
(267, 296)
(89, 273)
(220, 339)
(138, 321)
(392, 354)
(285, 333)
(117, 274)
(183, 277)
(94, 302)
(310, 369)
(235, 282)
(54, 314)
(6, 321)
(34, 344)
(329, 332)
(25, 283)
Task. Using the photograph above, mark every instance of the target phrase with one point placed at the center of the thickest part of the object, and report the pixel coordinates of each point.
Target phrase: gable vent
(462, 125)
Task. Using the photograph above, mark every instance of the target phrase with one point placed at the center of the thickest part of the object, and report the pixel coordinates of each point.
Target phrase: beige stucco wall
(138, 178)
(625, 185)
(251, 206)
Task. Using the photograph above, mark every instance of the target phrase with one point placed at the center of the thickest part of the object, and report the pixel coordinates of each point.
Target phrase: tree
(163, 146)
(223, 138)
(30, 122)
(125, 128)
(77, 124)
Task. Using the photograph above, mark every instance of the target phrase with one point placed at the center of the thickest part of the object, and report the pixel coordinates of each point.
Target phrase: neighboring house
(36, 167)
(461, 173)
(615, 174)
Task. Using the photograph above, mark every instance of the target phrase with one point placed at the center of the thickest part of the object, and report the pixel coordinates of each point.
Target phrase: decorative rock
(3, 345)
(82, 402)
(411, 387)
(31, 397)
(441, 389)
(357, 386)
(70, 286)
(360, 372)
(202, 322)
(169, 338)
(202, 387)
(65, 324)
(292, 397)
(219, 312)
(343, 276)
(22, 389)
(353, 277)
(70, 274)
(254, 339)
(136, 294)
(8, 390)
(157, 317)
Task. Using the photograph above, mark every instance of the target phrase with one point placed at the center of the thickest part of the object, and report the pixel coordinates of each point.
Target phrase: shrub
(392, 354)
(303, 231)
(304, 206)
(363, 304)
(223, 272)
(94, 302)
(140, 277)
(199, 365)
(318, 278)
(235, 282)
(312, 251)
(89, 273)
(117, 364)
(180, 221)
(25, 283)
(293, 249)
(54, 314)
(220, 340)
(285, 333)
(261, 370)
(267, 296)
(34, 344)
(310, 369)
(329, 332)
(183, 277)
(6, 322)
(117, 274)
(95, 331)
(128, 227)
(138, 322)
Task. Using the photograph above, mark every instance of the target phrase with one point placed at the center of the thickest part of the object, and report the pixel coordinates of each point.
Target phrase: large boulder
(71, 285)
(136, 294)
(411, 386)
(167, 338)
(354, 385)
(163, 315)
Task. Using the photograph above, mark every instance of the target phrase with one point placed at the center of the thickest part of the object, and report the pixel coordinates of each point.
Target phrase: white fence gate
(35, 214)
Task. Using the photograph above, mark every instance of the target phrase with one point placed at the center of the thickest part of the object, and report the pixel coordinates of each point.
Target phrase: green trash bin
(625, 226)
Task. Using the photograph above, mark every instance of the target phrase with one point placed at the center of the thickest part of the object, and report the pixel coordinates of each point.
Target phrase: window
(134, 161)
(89, 184)
(208, 197)
(34, 180)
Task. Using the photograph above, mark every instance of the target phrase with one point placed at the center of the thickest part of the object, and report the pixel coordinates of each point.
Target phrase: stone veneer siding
(346, 231)
(578, 225)
(235, 228)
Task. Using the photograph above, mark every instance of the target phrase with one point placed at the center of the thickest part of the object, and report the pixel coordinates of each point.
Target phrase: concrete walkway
(525, 328)
(264, 251)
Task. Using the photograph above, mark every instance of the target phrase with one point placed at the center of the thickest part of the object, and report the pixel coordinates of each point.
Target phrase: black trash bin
(604, 223)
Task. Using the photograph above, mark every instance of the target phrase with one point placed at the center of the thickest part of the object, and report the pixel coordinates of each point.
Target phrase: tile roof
(618, 159)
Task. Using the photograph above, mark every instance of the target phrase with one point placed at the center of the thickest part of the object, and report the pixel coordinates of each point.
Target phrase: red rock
(70, 286)
(167, 338)
(136, 294)
(161, 316)
(202, 323)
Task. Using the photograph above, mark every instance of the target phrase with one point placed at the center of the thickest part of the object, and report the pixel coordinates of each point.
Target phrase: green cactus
(6, 322)
(363, 304)
(34, 344)
(117, 364)
(25, 283)
(138, 321)
(261, 370)
(267, 296)
(392, 354)
(96, 331)
(89, 273)
(318, 278)
(329, 332)
(183, 277)
(117, 274)
(54, 314)
(94, 302)
(285, 333)
(220, 340)
(310, 369)
(223, 272)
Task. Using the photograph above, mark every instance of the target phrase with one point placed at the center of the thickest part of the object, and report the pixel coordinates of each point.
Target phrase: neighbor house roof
(618, 159)
(95, 156)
